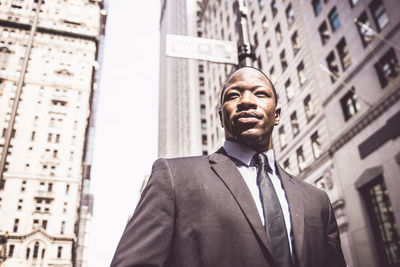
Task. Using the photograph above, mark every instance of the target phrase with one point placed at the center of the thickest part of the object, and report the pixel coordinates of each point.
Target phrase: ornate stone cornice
(40, 232)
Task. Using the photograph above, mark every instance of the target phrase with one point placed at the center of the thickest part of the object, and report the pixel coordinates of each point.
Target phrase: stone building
(335, 67)
(178, 122)
(49, 62)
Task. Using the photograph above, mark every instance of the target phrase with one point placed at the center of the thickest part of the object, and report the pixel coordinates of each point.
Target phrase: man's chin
(251, 139)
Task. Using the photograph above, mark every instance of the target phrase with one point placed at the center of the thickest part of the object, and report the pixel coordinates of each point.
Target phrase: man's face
(248, 110)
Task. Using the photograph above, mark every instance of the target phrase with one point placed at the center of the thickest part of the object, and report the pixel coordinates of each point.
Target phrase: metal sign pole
(10, 129)
(246, 53)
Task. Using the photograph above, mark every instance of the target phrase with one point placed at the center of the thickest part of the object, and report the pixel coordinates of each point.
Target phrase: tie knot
(261, 160)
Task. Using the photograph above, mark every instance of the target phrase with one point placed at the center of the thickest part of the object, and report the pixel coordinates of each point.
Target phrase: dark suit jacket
(199, 212)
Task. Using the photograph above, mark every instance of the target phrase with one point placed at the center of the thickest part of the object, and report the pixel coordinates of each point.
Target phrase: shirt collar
(245, 155)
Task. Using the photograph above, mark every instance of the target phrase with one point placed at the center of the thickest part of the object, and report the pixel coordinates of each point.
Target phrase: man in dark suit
(235, 207)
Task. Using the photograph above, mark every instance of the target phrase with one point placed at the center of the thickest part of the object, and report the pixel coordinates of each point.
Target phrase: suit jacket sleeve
(147, 238)
(334, 249)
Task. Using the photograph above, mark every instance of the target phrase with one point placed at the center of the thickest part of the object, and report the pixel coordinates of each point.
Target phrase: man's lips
(247, 117)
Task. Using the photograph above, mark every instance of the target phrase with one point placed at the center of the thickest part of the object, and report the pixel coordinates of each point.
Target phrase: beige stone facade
(43, 179)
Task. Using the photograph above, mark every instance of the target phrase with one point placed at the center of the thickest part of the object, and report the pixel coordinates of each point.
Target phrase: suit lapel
(296, 206)
(227, 171)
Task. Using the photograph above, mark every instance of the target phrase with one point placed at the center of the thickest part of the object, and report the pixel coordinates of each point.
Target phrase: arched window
(28, 251)
(43, 252)
(36, 250)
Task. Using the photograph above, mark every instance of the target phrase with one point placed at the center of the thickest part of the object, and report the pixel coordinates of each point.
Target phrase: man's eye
(261, 94)
(231, 96)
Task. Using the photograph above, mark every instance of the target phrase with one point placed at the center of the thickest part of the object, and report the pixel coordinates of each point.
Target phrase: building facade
(49, 60)
(335, 67)
(178, 119)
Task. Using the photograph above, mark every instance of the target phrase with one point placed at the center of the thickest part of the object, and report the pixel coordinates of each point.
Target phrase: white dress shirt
(246, 167)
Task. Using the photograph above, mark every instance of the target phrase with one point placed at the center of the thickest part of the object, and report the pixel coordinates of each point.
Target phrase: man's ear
(277, 115)
(220, 118)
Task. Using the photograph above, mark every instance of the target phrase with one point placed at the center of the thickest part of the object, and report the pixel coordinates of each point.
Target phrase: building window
(204, 139)
(290, 15)
(308, 107)
(44, 224)
(20, 201)
(255, 37)
(324, 33)
(295, 123)
(67, 189)
(286, 165)
(35, 250)
(278, 34)
(317, 6)
(268, 48)
(379, 13)
(383, 222)
(59, 252)
(350, 104)
(316, 145)
(301, 73)
(62, 229)
(289, 90)
(272, 75)
(295, 43)
(203, 109)
(259, 63)
(39, 205)
(301, 161)
(282, 137)
(284, 63)
(203, 124)
(201, 68)
(344, 54)
(364, 26)
(202, 96)
(33, 136)
(353, 2)
(252, 18)
(43, 252)
(264, 24)
(274, 8)
(201, 81)
(332, 66)
(387, 67)
(23, 186)
(28, 251)
(16, 223)
(334, 19)
(11, 250)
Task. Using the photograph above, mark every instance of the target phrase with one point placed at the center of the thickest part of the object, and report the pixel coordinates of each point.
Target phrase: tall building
(178, 119)
(50, 53)
(336, 69)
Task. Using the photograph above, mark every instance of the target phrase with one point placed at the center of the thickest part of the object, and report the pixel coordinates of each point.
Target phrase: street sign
(200, 48)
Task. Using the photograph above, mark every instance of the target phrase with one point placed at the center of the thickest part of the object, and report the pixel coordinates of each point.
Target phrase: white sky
(126, 132)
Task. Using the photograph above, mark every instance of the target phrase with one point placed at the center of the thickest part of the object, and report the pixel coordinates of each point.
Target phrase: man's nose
(247, 100)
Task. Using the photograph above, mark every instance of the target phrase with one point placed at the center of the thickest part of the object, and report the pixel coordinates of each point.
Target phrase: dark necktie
(273, 215)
